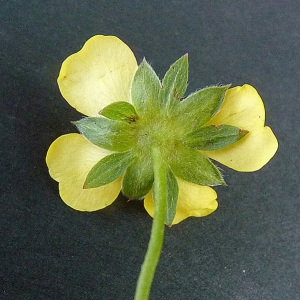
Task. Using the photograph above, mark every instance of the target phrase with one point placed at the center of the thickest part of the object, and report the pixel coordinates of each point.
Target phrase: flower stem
(157, 233)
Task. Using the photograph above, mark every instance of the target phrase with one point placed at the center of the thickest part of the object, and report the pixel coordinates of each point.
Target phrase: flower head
(129, 110)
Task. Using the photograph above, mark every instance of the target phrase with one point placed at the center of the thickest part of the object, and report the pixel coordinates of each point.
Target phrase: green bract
(106, 133)
(158, 117)
(219, 137)
(201, 106)
(174, 84)
(122, 111)
(138, 178)
(172, 196)
(108, 169)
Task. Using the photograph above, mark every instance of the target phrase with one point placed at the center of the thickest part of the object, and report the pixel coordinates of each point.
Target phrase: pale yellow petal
(242, 107)
(99, 74)
(249, 154)
(193, 201)
(69, 158)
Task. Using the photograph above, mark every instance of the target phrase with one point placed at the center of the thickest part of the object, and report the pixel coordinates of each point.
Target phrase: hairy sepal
(192, 166)
(172, 197)
(214, 137)
(121, 111)
(198, 108)
(106, 133)
(174, 84)
(108, 169)
(138, 179)
(145, 88)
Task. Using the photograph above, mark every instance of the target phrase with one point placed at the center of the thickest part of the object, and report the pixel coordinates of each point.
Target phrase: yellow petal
(99, 74)
(193, 201)
(249, 154)
(242, 107)
(69, 159)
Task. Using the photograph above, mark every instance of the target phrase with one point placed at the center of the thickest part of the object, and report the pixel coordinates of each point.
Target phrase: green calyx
(160, 118)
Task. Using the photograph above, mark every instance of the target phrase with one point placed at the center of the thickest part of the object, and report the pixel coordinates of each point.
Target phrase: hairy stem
(157, 233)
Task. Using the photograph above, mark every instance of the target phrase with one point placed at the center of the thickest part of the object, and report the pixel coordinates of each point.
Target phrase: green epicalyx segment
(160, 117)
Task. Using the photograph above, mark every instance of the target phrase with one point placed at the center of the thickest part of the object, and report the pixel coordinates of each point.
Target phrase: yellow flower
(101, 73)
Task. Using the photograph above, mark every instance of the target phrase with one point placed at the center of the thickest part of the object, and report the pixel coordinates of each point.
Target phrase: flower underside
(131, 112)
(143, 136)
(158, 117)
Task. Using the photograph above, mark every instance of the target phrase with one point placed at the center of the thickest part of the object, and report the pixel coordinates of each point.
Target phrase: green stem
(157, 233)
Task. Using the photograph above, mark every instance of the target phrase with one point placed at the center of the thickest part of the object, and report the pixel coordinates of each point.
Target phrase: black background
(247, 249)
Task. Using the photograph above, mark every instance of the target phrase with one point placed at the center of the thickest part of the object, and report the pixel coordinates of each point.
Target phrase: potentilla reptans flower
(129, 110)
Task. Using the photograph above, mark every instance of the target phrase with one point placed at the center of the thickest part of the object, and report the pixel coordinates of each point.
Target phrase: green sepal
(106, 133)
(192, 166)
(214, 137)
(145, 88)
(121, 111)
(138, 179)
(174, 83)
(108, 169)
(172, 197)
(199, 107)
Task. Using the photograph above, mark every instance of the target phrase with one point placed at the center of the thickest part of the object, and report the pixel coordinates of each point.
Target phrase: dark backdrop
(248, 249)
